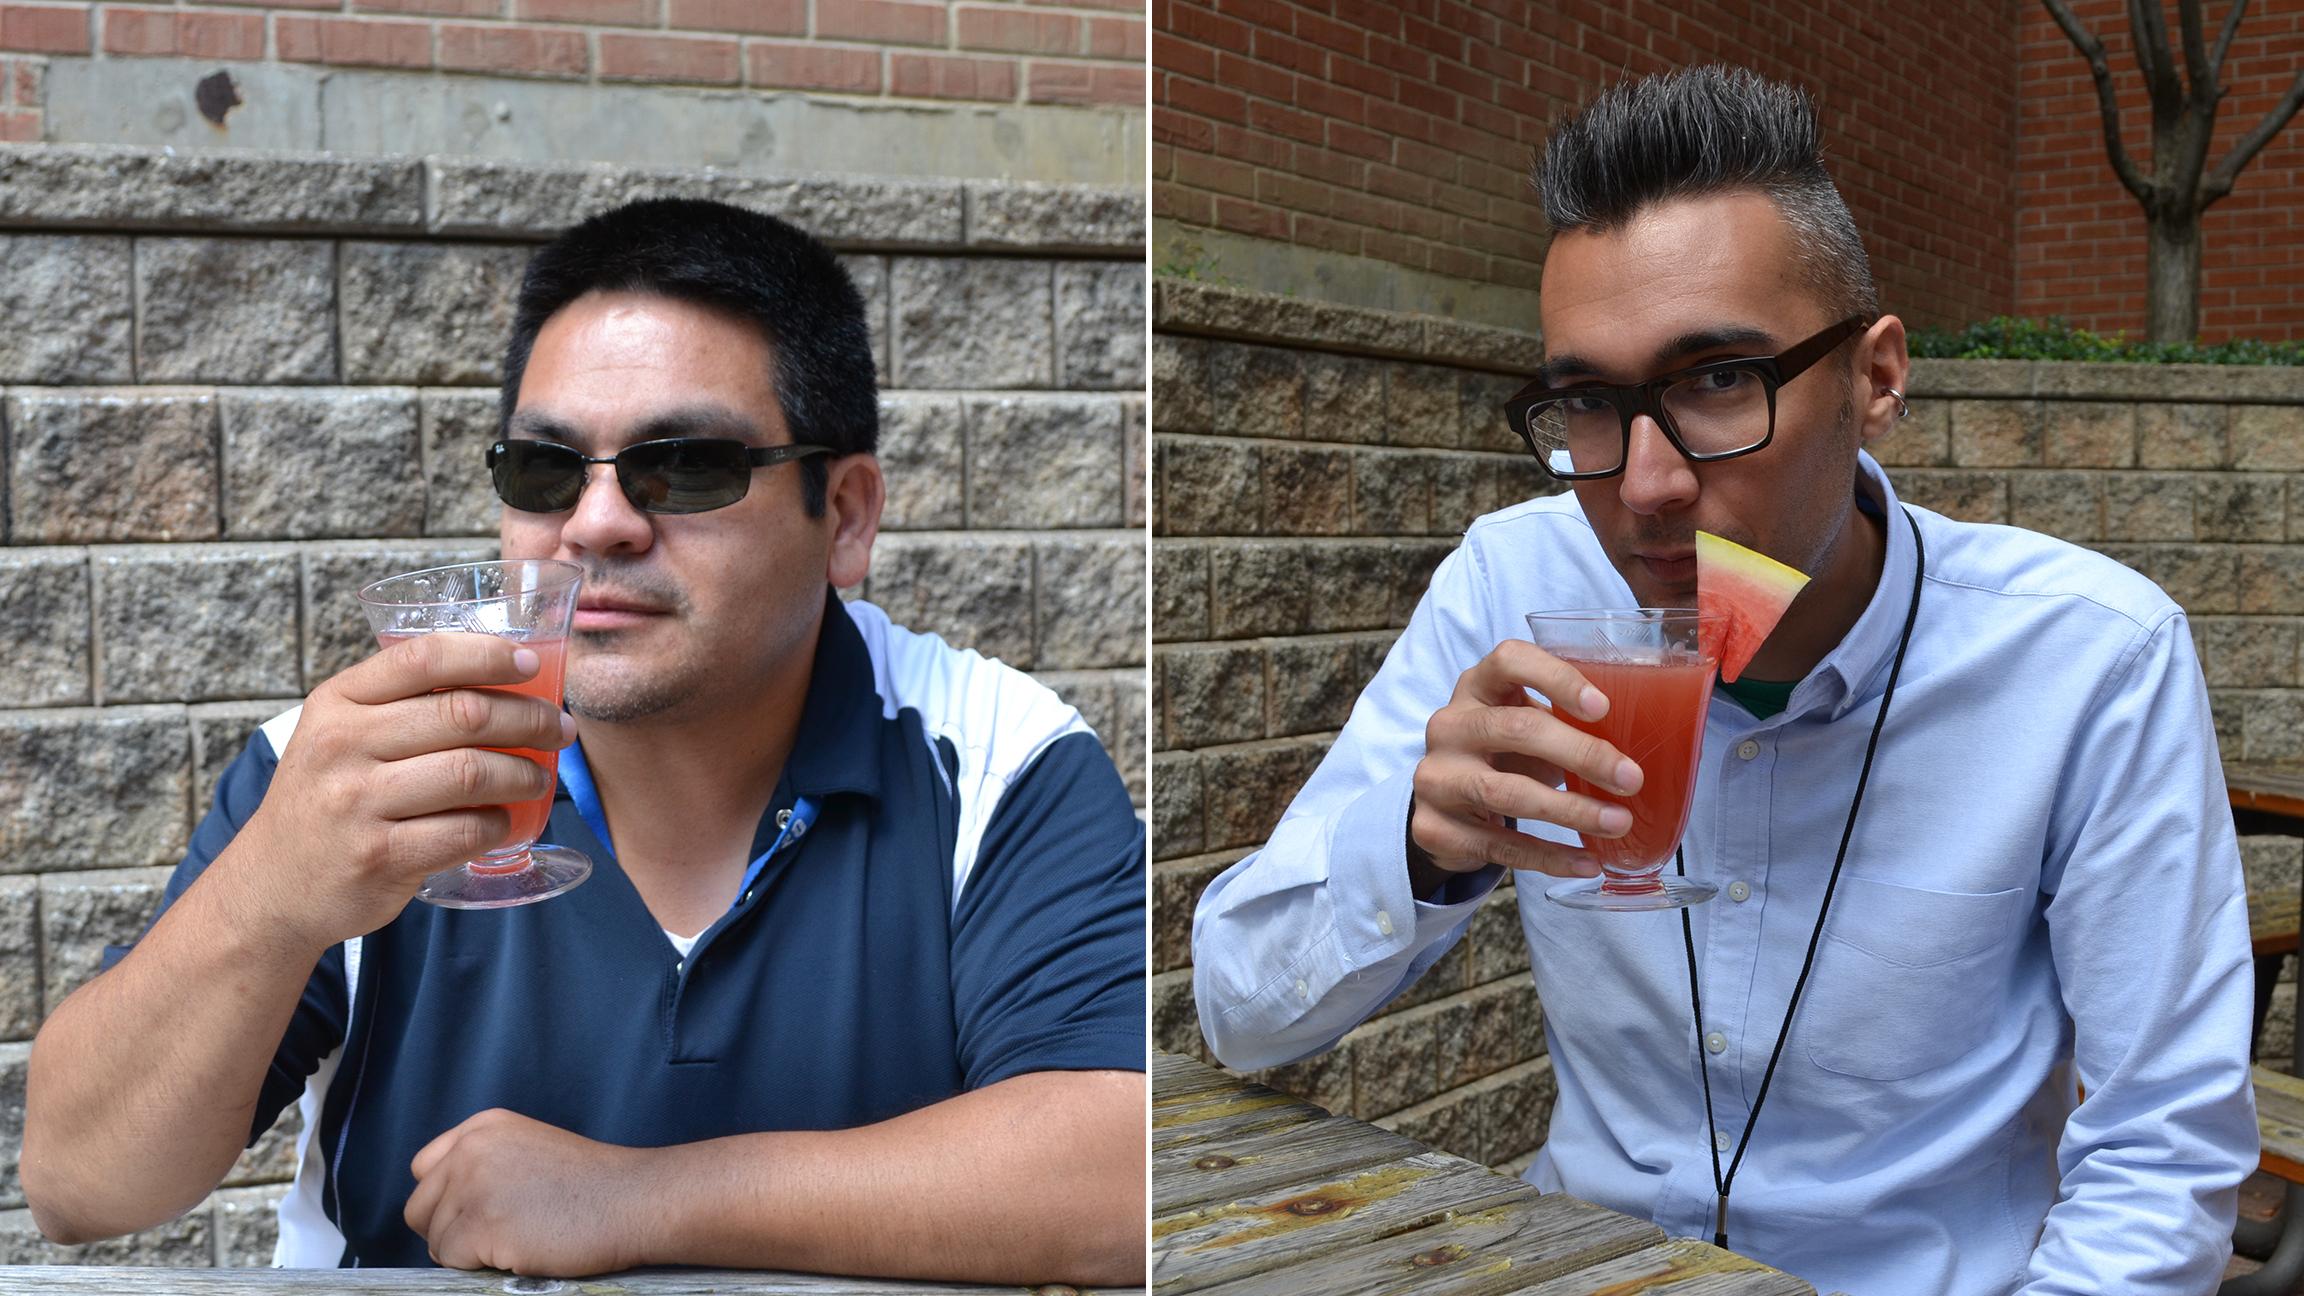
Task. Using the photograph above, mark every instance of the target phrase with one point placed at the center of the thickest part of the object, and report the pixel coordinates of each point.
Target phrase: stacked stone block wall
(233, 388)
(1314, 463)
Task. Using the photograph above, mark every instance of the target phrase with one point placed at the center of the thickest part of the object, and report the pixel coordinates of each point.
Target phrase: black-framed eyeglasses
(678, 475)
(1712, 411)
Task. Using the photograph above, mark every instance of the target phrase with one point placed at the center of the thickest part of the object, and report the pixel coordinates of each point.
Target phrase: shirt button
(1715, 1043)
(1739, 892)
(1303, 988)
(1721, 1142)
(1384, 922)
(1747, 749)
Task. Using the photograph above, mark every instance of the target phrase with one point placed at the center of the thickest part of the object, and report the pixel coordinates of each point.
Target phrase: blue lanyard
(576, 776)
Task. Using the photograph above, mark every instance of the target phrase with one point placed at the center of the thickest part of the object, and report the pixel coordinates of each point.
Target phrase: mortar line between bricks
(1301, 443)
(135, 317)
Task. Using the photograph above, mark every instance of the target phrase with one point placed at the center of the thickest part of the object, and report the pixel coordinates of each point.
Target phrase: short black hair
(1700, 131)
(750, 264)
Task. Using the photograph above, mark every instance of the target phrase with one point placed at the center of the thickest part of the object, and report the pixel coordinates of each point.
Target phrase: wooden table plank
(1194, 1103)
(1485, 1252)
(1681, 1267)
(1248, 1161)
(1282, 1227)
(2280, 1122)
(2274, 788)
(62, 1280)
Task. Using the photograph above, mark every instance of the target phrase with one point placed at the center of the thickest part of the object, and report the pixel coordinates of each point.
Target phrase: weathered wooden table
(2277, 790)
(61, 1280)
(1255, 1193)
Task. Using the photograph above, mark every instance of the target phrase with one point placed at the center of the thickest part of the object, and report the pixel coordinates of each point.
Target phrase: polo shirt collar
(837, 747)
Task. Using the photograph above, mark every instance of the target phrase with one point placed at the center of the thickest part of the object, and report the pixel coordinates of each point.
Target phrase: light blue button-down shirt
(2043, 888)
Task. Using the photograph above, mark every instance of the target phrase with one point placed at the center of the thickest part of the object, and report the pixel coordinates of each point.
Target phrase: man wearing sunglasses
(1964, 809)
(857, 983)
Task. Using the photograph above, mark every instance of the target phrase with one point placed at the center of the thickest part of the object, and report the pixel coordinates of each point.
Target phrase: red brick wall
(1405, 131)
(1068, 52)
(2080, 241)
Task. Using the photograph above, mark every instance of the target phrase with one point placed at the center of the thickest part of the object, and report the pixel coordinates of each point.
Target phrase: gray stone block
(220, 732)
(1480, 400)
(1248, 786)
(235, 310)
(1343, 398)
(976, 591)
(2272, 727)
(1396, 1061)
(186, 624)
(1499, 947)
(121, 465)
(149, 188)
(1996, 434)
(1412, 565)
(1176, 888)
(336, 633)
(1211, 487)
(321, 463)
(1487, 346)
(1921, 440)
(1449, 1123)
(1307, 490)
(2181, 436)
(1215, 693)
(2270, 862)
(1175, 1021)
(427, 312)
(1463, 488)
(1488, 1029)
(2271, 581)
(1177, 806)
(1258, 391)
(1392, 492)
(2268, 438)
(2205, 578)
(870, 275)
(14, 1058)
(1180, 384)
(1087, 218)
(2090, 434)
(1324, 1080)
(247, 1225)
(186, 1242)
(2248, 652)
(2069, 505)
(1133, 457)
(79, 788)
(1516, 1108)
(1420, 406)
(1261, 587)
(2148, 506)
(1355, 585)
(1088, 602)
(1179, 592)
(1937, 378)
(2237, 507)
(1442, 979)
(973, 324)
(271, 1159)
(923, 459)
(44, 627)
(1044, 462)
(1128, 734)
(72, 304)
(20, 1011)
(82, 912)
(1314, 684)
(456, 428)
(1100, 325)
(1964, 496)
(2276, 1047)
(486, 197)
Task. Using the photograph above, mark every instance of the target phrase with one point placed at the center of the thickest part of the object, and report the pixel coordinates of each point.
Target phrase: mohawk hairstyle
(1701, 131)
(751, 265)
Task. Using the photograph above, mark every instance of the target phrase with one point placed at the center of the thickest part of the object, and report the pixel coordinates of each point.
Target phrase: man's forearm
(1036, 1179)
(144, 1082)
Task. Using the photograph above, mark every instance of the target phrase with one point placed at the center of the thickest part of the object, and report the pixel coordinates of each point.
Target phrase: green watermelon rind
(1749, 590)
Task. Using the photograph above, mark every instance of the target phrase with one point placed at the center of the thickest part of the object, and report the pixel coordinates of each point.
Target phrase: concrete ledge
(74, 186)
(1186, 306)
(2079, 380)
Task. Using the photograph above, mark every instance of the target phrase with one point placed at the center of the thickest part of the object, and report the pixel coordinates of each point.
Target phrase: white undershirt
(681, 943)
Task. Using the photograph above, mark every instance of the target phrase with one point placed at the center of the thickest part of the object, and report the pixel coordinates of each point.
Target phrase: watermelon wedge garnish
(1750, 591)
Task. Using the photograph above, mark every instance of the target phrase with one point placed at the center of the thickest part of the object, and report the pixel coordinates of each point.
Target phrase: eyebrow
(685, 421)
(1743, 336)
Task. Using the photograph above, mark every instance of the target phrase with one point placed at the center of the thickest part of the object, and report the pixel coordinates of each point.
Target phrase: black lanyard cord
(1723, 1182)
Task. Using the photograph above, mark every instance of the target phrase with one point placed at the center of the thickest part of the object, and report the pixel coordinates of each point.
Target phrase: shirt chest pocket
(1906, 979)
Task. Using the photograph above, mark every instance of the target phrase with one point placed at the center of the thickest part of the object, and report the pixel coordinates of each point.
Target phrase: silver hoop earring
(1902, 410)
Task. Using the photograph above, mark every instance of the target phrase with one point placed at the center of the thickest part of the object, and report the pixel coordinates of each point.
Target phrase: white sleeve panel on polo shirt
(996, 717)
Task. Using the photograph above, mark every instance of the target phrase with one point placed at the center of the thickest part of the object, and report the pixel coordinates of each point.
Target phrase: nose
(603, 521)
(1657, 477)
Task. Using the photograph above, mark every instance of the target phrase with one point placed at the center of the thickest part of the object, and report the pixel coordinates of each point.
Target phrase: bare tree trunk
(2172, 276)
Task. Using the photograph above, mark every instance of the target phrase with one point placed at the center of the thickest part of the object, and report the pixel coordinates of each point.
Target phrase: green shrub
(2005, 337)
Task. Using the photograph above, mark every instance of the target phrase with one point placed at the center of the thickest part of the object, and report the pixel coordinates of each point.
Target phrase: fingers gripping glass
(1710, 411)
(680, 475)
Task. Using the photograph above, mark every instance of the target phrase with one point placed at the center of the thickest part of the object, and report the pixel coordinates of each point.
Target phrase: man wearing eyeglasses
(856, 985)
(1964, 809)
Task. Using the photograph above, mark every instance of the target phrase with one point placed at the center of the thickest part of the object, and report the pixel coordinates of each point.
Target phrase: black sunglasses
(680, 475)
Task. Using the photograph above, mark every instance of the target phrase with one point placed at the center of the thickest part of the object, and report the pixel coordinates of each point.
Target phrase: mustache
(633, 582)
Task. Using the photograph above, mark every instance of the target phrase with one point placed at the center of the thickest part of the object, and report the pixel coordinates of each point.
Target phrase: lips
(595, 614)
(1670, 567)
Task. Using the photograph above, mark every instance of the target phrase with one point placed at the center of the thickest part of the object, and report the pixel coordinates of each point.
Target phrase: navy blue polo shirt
(968, 907)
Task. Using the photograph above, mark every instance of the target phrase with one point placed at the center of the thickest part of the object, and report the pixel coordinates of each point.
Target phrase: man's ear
(854, 494)
(1886, 366)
